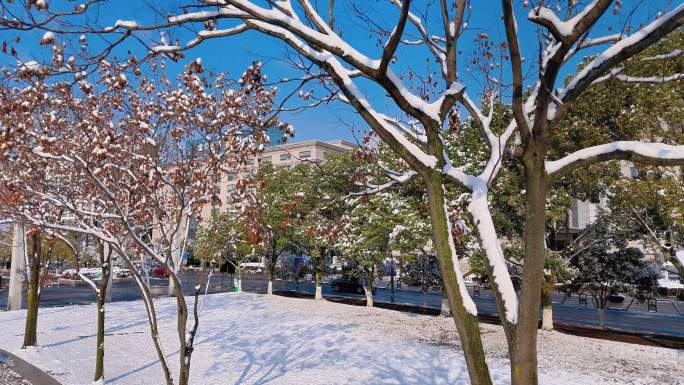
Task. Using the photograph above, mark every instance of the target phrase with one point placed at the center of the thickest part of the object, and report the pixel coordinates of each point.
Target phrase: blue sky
(335, 121)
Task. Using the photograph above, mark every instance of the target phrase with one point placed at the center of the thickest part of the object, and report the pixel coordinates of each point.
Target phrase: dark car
(616, 298)
(348, 284)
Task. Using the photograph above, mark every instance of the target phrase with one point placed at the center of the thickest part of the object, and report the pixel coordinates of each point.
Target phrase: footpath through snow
(253, 339)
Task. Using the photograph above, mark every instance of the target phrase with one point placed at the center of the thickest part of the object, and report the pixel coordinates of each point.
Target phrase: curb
(27, 371)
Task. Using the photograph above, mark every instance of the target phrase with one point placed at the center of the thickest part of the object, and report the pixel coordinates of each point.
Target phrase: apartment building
(278, 155)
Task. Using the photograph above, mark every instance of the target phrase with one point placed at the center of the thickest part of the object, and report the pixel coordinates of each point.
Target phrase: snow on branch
(479, 209)
(601, 40)
(313, 16)
(587, 43)
(329, 42)
(617, 74)
(343, 79)
(649, 153)
(670, 55)
(621, 51)
(569, 31)
(222, 12)
(412, 128)
(466, 299)
(396, 179)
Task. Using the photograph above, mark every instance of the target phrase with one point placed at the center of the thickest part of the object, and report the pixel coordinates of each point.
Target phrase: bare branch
(516, 67)
(395, 38)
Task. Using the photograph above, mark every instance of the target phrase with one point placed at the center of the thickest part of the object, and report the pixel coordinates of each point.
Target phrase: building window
(217, 190)
(217, 178)
(285, 157)
(266, 159)
(250, 161)
(231, 177)
(230, 188)
(305, 154)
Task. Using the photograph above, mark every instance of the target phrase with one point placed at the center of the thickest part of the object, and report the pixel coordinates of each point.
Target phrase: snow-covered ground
(252, 339)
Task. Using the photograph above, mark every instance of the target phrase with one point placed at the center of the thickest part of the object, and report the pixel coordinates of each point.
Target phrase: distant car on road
(70, 274)
(348, 284)
(160, 272)
(121, 272)
(616, 298)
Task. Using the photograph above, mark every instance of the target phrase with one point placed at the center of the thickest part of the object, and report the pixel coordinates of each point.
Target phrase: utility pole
(14, 295)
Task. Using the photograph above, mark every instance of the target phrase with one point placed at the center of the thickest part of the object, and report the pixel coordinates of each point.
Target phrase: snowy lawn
(252, 339)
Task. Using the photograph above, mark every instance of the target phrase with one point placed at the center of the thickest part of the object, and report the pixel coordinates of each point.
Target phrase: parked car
(70, 274)
(348, 284)
(120, 272)
(616, 298)
(160, 271)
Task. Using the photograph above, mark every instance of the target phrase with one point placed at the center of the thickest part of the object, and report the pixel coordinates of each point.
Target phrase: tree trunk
(524, 358)
(151, 316)
(184, 347)
(269, 289)
(99, 353)
(466, 323)
(239, 279)
(320, 268)
(446, 310)
(547, 301)
(30, 331)
(272, 265)
(319, 287)
(601, 316)
(101, 300)
(369, 289)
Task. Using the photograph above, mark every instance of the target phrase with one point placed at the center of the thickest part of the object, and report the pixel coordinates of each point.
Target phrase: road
(666, 322)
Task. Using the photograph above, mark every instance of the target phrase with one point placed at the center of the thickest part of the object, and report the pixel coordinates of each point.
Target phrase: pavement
(666, 323)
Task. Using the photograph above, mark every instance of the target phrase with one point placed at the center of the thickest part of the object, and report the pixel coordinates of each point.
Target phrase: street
(666, 322)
